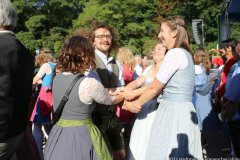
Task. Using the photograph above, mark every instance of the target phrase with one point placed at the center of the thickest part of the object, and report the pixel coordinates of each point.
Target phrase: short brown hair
(76, 56)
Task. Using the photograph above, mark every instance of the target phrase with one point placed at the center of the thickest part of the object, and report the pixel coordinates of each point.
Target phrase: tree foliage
(136, 23)
(45, 23)
(195, 9)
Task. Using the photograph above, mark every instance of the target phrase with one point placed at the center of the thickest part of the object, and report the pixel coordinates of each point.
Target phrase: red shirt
(124, 115)
(218, 61)
(224, 73)
(127, 74)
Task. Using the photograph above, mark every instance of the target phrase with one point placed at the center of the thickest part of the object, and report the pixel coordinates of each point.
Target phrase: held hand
(133, 106)
(121, 89)
(116, 91)
(128, 94)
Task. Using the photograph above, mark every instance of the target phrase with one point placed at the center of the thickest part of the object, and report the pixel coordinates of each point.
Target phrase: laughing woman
(175, 132)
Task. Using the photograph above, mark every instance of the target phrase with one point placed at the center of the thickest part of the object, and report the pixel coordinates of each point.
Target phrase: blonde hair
(125, 56)
(42, 58)
(177, 23)
(202, 56)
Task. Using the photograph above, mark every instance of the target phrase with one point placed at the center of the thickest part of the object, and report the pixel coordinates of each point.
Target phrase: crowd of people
(93, 106)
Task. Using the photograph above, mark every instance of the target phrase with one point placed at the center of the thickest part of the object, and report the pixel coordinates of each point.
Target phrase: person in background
(232, 111)
(41, 115)
(238, 47)
(202, 88)
(125, 56)
(175, 132)
(74, 136)
(36, 87)
(236, 54)
(142, 126)
(231, 103)
(138, 67)
(110, 72)
(38, 61)
(228, 56)
(147, 60)
(17, 66)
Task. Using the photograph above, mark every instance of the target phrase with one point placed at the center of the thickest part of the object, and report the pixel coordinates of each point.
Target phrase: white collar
(103, 56)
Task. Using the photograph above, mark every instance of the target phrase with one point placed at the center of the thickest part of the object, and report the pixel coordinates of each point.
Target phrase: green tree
(45, 22)
(194, 9)
(235, 30)
(27, 38)
(200, 9)
(134, 21)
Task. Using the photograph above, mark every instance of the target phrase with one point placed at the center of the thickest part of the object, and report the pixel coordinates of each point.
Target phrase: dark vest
(108, 81)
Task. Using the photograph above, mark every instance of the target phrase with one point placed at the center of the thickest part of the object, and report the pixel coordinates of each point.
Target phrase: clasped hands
(130, 103)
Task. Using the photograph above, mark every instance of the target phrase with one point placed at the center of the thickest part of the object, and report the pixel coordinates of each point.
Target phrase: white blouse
(91, 89)
(174, 59)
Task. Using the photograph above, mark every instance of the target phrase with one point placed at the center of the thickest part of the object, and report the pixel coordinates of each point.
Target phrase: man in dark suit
(16, 74)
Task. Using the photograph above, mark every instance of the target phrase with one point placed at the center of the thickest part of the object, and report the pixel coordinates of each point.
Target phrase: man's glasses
(103, 36)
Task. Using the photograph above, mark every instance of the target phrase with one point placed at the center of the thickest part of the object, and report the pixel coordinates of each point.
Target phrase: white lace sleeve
(175, 59)
(91, 89)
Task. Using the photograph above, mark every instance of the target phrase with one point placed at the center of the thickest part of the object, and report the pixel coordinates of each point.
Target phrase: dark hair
(231, 42)
(76, 56)
(237, 41)
(96, 26)
(236, 47)
(228, 43)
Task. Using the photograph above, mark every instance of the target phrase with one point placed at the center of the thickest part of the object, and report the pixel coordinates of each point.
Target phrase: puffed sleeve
(175, 59)
(91, 89)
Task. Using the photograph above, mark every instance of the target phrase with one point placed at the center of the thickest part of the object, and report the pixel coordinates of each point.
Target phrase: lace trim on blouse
(91, 90)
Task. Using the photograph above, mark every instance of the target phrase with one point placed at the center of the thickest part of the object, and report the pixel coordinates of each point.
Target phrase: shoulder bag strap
(57, 114)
